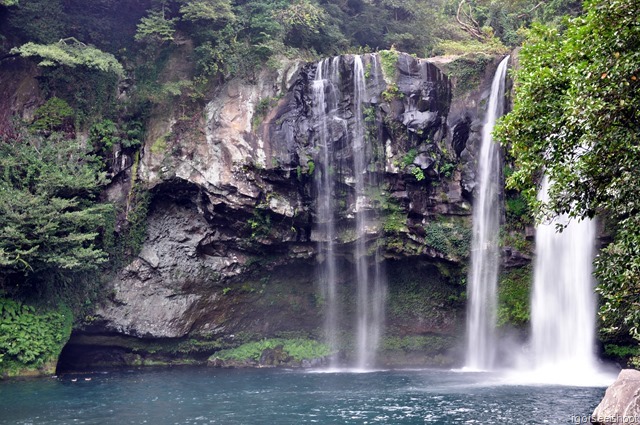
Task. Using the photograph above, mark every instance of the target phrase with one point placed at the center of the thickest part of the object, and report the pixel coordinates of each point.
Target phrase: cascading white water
(325, 104)
(370, 289)
(483, 276)
(370, 282)
(563, 300)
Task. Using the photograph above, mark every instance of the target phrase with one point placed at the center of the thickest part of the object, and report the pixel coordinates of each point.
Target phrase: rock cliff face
(230, 249)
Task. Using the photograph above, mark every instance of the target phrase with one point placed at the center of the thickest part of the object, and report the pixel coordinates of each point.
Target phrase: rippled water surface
(268, 396)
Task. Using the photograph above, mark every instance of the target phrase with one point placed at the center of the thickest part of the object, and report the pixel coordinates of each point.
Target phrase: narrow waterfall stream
(369, 276)
(483, 276)
(324, 92)
(563, 302)
(370, 288)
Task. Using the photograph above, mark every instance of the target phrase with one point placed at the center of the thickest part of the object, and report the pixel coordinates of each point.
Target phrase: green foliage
(92, 95)
(8, 3)
(494, 23)
(311, 167)
(409, 25)
(235, 38)
(467, 72)
(575, 117)
(160, 146)
(452, 238)
(391, 93)
(388, 62)
(392, 217)
(260, 224)
(516, 239)
(133, 236)
(299, 349)
(447, 169)
(40, 21)
(626, 353)
(70, 52)
(409, 157)
(513, 297)
(455, 47)
(621, 350)
(30, 338)
(176, 88)
(262, 109)
(418, 291)
(211, 11)
(369, 113)
(156, 27)
(49, 217)
(418, 173)
(53, 115)
(105, 134)
(617, 267)
(427, 344)
(517, 212)
(302, 17)
(394, 220)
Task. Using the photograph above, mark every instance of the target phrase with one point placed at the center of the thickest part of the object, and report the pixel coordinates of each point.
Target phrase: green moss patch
(451, 237)
(299, 349)
(467, 72)
(513, 297)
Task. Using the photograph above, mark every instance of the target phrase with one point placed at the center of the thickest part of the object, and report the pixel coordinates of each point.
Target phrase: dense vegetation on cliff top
(576, 107)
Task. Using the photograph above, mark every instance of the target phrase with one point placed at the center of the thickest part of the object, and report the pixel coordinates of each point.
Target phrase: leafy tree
(49, 216)
(412, 25)
(39, 21)
(71, 52)
(52, 116)
(156, 27)
(212, 11)
(577, 118)
(308, 26)
(484, 19)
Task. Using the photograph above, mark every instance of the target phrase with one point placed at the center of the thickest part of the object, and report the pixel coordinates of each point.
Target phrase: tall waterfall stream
(483, 276)
(369, 276)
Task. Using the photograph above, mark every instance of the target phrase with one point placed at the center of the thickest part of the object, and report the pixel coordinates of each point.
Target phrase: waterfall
(483, 276)
(563, 302)
(332, 127)
(370, 289)
(324, 90)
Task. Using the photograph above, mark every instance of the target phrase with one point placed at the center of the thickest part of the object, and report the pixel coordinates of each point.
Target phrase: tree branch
(522, 15)
(472, 29)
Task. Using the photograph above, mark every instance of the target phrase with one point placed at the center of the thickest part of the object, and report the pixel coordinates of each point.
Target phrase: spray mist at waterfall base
(520, 368)
(565, 374)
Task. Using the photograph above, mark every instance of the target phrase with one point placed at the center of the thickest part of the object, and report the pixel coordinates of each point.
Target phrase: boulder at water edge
(621, 402)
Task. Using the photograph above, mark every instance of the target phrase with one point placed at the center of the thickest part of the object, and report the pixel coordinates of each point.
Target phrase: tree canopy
(49, 215)
(576, 118)
(70, 52)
